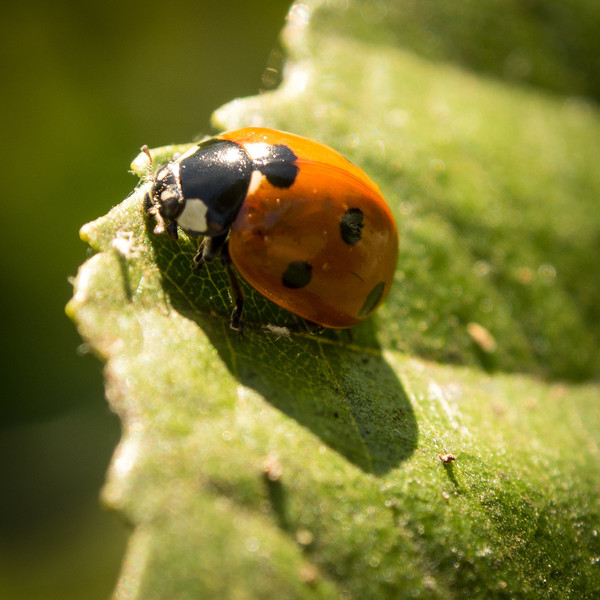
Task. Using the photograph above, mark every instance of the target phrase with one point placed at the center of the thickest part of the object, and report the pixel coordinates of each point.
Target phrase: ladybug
(300, 223)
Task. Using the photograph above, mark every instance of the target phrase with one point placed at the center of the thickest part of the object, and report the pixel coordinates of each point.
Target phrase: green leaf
(291, 465)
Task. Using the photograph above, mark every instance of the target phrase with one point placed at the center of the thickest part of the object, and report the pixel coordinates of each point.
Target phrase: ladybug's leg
(199, 257)
(313, 328)
(208, 249)
(235, 322)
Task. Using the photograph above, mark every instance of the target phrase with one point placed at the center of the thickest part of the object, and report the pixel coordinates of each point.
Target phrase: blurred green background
(84, 85)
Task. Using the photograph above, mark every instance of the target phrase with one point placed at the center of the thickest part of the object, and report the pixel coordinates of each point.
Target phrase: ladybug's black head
(164, 199)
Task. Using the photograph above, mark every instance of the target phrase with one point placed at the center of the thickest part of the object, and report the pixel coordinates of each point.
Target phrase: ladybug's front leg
(198, 261)
(208, 249)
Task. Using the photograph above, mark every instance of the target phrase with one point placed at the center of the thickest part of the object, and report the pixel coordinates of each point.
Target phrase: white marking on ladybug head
(193, 216)
(167, 194)
(171, 168)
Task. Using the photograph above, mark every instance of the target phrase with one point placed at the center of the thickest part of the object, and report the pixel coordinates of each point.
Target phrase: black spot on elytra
(372, 299)
(297, 275)
(278, 166)
(351, 225)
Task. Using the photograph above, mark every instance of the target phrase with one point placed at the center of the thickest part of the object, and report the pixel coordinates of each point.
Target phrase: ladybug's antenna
(146, 151)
